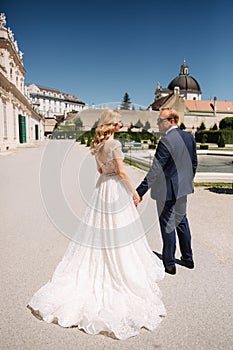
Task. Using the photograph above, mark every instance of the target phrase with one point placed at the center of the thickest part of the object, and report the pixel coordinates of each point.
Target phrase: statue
(21, 55)
(11, 34)
(16, 46)
(2, 20)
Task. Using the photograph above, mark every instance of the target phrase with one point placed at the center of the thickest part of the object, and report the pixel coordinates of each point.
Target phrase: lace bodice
(106, 154)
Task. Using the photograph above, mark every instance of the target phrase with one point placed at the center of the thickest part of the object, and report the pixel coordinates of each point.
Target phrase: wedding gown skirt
(110, 284)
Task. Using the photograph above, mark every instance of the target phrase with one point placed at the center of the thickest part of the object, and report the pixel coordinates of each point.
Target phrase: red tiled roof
(208, 105)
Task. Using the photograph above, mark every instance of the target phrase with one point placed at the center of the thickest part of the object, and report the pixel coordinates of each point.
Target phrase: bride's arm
(125, 178)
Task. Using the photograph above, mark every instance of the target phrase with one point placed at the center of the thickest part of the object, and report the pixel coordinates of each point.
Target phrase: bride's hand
(136, 198)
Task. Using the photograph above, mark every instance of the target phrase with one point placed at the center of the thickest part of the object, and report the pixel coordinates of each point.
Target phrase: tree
(126, 102)
(137, 137)
(226, 123)
(78, 123)
(154, 140)
(221, 140)
(138, 124)
(215, 127)
(182, 126)
(204, 138)
(95, 124)
(130, 127)
(89, 139)
(202, 126)
(82, 139)
(147, 125)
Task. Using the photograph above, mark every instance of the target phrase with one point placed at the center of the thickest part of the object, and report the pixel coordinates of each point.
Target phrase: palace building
(53, 104)
(19, 122)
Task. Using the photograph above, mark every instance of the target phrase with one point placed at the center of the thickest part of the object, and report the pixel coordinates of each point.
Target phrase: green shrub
(82, 139)
(182, 126)
(151, 146)
(204, 146)
(202, 126)
(226, 123)
(213, 135)
(89, 138)
(221, 141)
(204, 138)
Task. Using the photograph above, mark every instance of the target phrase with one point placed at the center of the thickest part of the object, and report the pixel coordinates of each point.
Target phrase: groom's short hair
(172, 114)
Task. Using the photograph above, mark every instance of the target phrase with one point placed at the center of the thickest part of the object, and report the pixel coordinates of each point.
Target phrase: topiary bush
(182, 126)
(204, 138)
(221, 141)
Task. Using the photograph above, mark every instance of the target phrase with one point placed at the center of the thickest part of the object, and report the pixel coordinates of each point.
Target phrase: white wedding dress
(107, 279)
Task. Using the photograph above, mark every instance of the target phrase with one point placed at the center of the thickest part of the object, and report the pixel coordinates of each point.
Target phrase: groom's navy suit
(171, 180)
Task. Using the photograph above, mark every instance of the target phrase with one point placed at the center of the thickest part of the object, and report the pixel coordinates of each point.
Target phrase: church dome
(184, 81)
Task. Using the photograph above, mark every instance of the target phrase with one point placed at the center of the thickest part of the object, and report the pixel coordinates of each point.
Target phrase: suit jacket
(174, 167)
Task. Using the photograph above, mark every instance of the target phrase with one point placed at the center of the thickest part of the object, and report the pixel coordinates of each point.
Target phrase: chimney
(215, 104)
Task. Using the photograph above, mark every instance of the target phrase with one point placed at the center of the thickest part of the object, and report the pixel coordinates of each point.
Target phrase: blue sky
(98, 50)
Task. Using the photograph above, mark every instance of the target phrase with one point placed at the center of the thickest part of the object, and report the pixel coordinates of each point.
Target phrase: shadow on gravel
(177, 261)
(220, 190)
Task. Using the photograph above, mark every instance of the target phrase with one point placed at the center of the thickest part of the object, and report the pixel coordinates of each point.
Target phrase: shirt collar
(171, 128)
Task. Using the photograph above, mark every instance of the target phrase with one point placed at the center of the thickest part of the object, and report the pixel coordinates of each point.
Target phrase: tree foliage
(94, 126)
(204, 138)
(78, 123)
(202, 126)
(126, 103)
(89, 139)
(221, 140)
(182, 126)
(139, 124)
(82, 139)
(147, 125)
(226, 123)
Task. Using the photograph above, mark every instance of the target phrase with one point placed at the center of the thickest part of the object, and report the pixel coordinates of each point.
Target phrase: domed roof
(184, 81)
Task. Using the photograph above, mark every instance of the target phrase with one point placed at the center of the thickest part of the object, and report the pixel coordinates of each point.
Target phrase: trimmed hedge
(213, 135)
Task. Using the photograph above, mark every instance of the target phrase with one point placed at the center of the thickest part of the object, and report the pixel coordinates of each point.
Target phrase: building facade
(19, 121)
(188, 86)
(184, 94)
(53, 104)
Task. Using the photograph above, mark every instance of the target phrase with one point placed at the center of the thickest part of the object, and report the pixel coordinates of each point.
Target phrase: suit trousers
(172, 219)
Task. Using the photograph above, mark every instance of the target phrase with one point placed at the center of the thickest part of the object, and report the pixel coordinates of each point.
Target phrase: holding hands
(136, 198)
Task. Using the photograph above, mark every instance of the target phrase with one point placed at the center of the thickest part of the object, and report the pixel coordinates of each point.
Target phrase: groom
(171, 180)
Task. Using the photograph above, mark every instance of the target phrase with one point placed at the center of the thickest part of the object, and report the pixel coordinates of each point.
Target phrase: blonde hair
(172, 113)
(108, 121)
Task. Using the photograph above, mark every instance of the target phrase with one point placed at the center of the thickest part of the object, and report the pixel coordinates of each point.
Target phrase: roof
(208, 105)
(72, 98)
(48, 89)
(157, 104)
(185, 82)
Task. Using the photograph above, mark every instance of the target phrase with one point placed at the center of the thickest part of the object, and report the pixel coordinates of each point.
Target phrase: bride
(107, 283)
